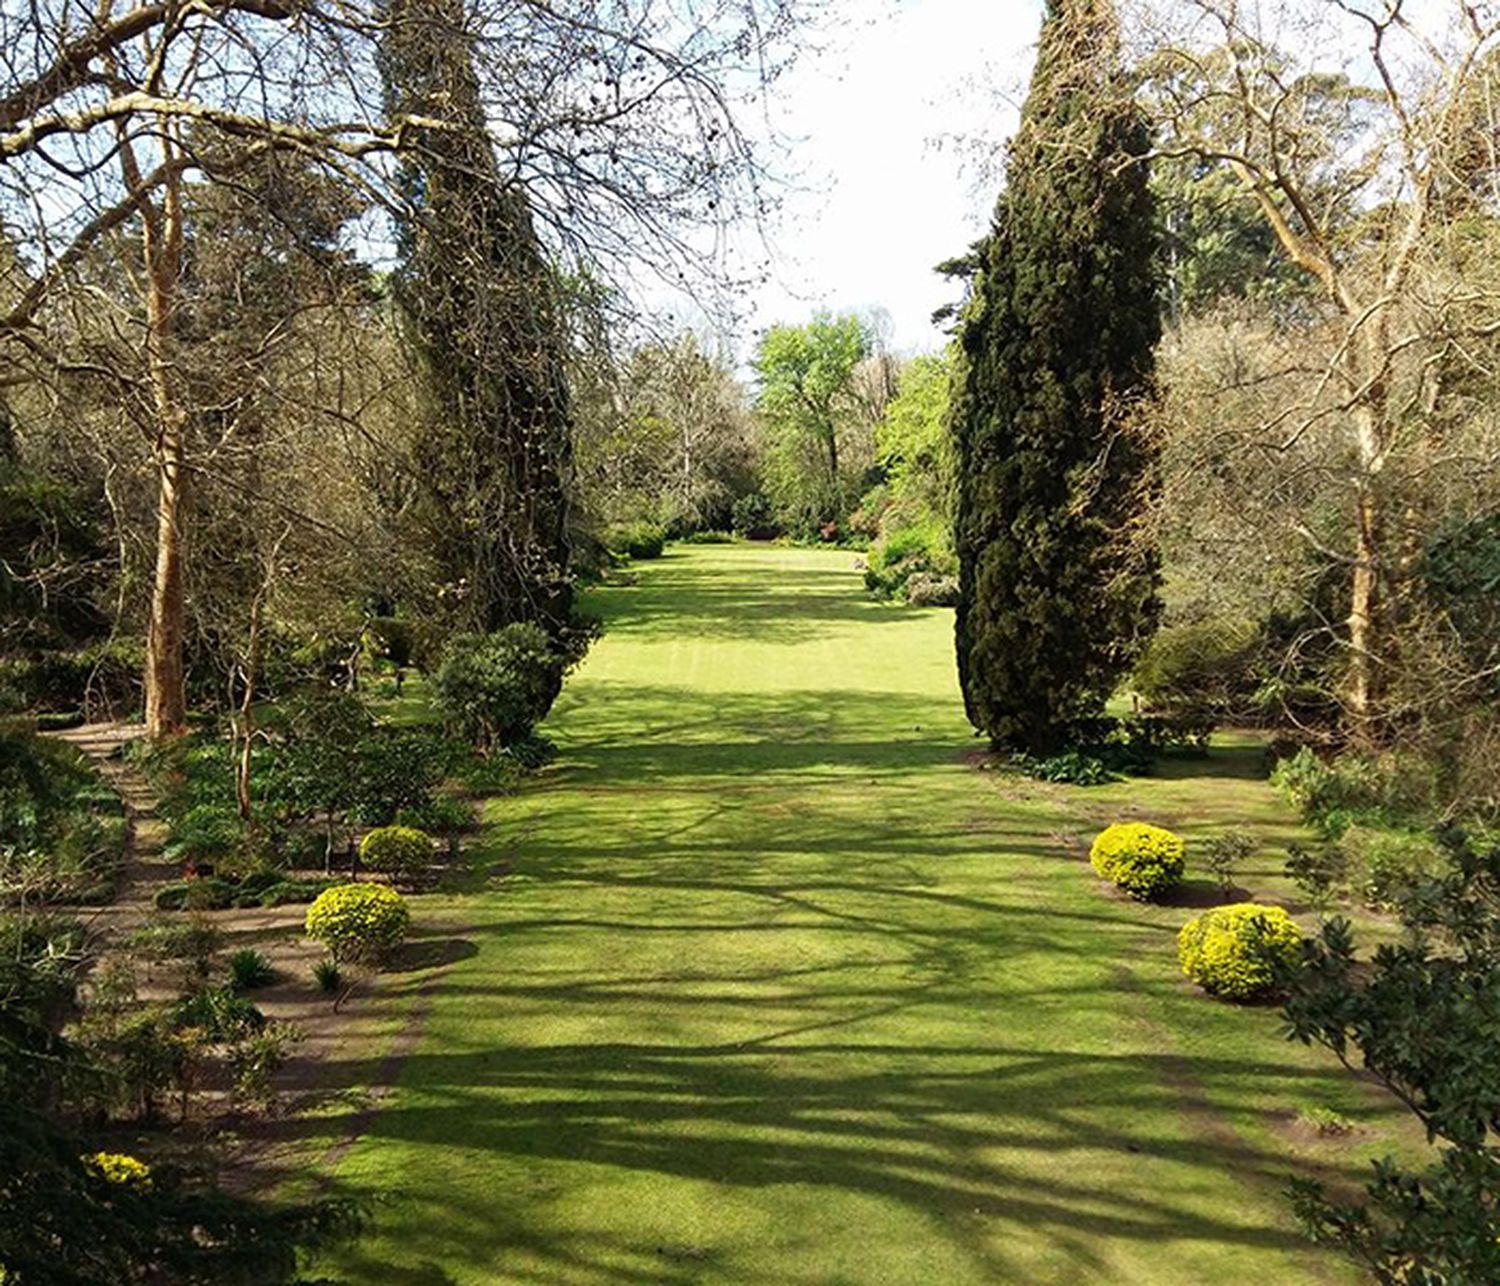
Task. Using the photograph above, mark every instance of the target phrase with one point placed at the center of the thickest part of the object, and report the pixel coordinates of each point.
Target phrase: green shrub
(1390, 790)
(218, 1013)
(358, 922)
(205, 830)
(442, 813)
(754, 518)
(921, 553)
(1242, 952)
(192, 940)
(396, 850)
(195, 895)
(249, 969)
(1325, 1121)
(1386, 865)
(708, 538)
(1223, 855)
(496, 688)
(328, 975)
(1319, 873)
(394, 770)
(928, 589)
(636, 540)
(1145, 861)
(1200, 665)
(288, 892)
(1075, 767)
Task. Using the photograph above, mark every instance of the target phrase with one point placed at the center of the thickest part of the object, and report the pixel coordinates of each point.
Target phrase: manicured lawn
(781, 989)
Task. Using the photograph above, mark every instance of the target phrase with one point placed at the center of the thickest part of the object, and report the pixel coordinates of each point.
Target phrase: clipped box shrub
(358, 922)
(1243, 952)
(396, 850)
(1145, 861)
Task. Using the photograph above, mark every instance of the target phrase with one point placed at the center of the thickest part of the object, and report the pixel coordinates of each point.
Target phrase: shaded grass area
(780, 988)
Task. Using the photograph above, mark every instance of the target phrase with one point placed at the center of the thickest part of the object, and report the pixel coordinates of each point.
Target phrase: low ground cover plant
(1144, 861)
(1241, 952)
(249, 969)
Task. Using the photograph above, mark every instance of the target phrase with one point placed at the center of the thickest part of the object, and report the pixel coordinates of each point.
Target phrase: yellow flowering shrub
(117, 1167)
(358, 922)
(1143, 860)
(1242, 951)
(396, 850)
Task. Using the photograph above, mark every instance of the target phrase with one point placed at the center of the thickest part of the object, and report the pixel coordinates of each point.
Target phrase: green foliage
(1460, 571)
(922, 552)
(217, 1014)
(753, 517)
(1420, 1016)
(1058, 586)
(1319, 873)
(328, 975)
(249, 969)
(912, 442)
(209, 894)
(1387, 865)
(496, 687)
(1325, 1121)
(1145, 861)
(66, 1217)
(1224, 854)
(1218, 244)
(805, 378)
(1241, 952)
(396, 850)
(194, 941)
(640, 540)
(256, 1057)
(1201, 665)
(358, 922)
(396, 771)
(1100, 749)
(61, 834)
(927, 589)
(1333, 794)
(1074, 767)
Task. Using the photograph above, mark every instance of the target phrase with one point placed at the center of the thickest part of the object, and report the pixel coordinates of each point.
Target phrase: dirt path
(143, 870)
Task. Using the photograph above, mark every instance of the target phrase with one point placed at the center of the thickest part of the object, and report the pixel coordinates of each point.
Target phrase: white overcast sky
(883, 192)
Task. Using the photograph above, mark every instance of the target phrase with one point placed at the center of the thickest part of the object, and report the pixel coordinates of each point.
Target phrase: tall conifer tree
(482, 303)
(1058, 585)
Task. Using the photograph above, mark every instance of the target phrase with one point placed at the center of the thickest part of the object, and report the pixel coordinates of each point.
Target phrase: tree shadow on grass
(419, 953)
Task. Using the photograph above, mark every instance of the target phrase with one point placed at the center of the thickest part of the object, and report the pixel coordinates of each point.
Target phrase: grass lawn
(781, 989)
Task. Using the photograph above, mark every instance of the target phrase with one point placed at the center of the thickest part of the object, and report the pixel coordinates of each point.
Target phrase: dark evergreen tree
(484, 313)
(1058, 583)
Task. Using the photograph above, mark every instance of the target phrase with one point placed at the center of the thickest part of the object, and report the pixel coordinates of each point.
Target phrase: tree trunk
(1364, 633)
(166, 678)
(1366, 641)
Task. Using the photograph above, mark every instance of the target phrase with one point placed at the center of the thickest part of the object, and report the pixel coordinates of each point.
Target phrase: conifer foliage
(484, 315)
(1058, 584)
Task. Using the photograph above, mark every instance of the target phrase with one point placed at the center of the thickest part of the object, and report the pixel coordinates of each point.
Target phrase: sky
(890, 124)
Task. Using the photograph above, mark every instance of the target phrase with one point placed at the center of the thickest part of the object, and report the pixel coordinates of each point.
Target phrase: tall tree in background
(810, 402)
(1058, 588)
(484, 313)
